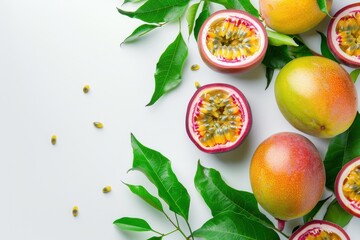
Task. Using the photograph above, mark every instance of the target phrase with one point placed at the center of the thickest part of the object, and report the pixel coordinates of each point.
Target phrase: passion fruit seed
(218, 118)
(98, 125)
(53, 139)
(86, 88)
(232, 39)
(75, 211)
(197, 84)
(195, 67)
(106, 189)
(351, 187)
(348, 31)
(320, 234)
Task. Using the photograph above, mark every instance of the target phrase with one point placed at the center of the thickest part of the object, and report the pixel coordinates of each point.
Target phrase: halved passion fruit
(319, 230)
(218, 118)
(344, 35)
(232, 41)
(347, 187)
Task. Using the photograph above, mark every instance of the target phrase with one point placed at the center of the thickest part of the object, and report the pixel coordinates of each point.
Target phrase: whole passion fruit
(287, 176)
(292, 17)
(218, 118)
(347, 187)
(318, 230)
(344, 35)
(317, 96)
(232, 41)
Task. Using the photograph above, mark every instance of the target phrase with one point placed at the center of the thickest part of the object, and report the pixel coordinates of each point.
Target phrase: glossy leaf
(336, 214)
(234, 226)
(325, 51)
(221, 198)
(355, 74)
(244, 5)
(323, 6)
(205, 13)
(155, 11)
(342, 149)
(133, 1)
(169, 68)
(310, 216)
(190, 16)
(156, 238)
(146, 196)
(157, 169)
(269, 75)
(133, 224)
(279, 39)
(140, 31)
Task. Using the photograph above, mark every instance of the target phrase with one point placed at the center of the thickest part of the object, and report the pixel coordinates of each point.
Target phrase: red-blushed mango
(317, 96)
(287, 175)
(292, 17)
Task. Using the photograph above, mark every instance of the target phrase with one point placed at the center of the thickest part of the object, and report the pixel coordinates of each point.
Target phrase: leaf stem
(176, 226)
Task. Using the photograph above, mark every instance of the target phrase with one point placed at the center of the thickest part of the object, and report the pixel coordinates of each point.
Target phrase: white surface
(48, 51)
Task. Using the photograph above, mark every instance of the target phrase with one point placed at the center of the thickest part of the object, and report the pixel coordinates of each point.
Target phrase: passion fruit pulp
(218, 118)
(319, 230)
(344, 35)
(232, 41)
(347, 187)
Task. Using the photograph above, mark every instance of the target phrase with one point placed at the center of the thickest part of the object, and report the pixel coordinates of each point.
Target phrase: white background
(48, 51)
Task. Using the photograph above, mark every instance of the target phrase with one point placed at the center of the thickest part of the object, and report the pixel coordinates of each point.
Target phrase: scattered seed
(53, 139)
(195, 67)
(106, 189)
(86, 88)
(98, 125)
(197, 84)
(75, 211)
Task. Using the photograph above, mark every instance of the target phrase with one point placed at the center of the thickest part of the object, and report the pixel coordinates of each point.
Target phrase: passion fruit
(218, 118)
(317, 96)
(347, 187)
(232, 41)
(344, 35)
(287, 176)
(318, 230)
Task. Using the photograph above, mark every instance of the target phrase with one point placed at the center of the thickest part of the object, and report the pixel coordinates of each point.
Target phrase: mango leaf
(133, 224)
(169, 68)
(155, 11)
(221, 198)
(146, 196)
(269, 75)
(310, 216)
(279, 39)
(156, 238)
(244, 5)
(342, 149)
(323, 6)
(336, 214)
(325, 51)
(140, 31)
(205, 13)
(234, 226)
(157, 169)
(190, 16)
(133, 1)
(355, 74)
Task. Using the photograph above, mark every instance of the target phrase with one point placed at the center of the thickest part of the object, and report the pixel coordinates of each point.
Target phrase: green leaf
(169, 68)
(355, 74)
(133, 224)
(221, 198)
(234, 226)
(140, 31)
(133, 1)
(279, 39)
(269, 75)
(190, 16)
(310, 216)
(157, 169)
(246, 6)
(336, 214)
(323, 6)
(342, 149)
(200, 20)
(156, 238)
(325, 51)
(155, 11)
(146, 196)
